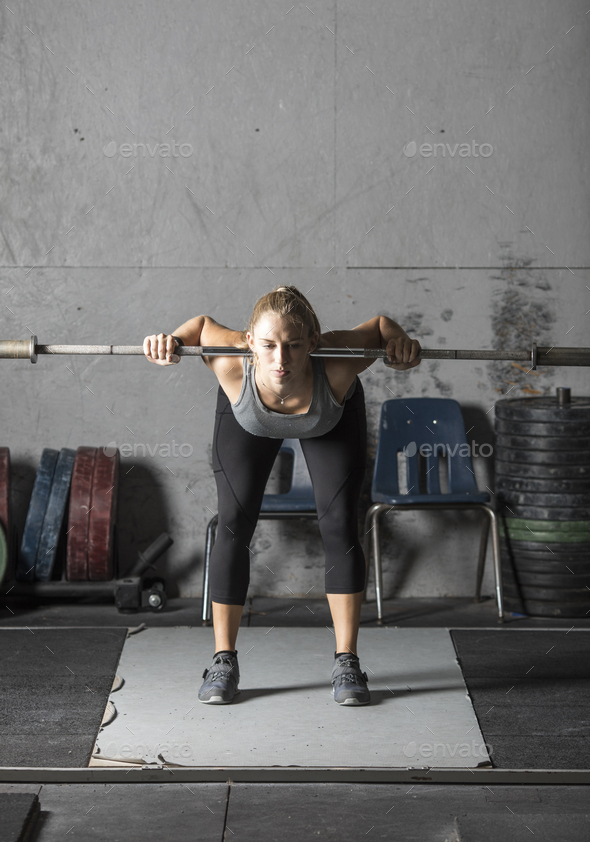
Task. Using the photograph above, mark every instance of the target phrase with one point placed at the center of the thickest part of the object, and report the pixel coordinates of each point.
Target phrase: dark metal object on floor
(130, 593)
(128, 596)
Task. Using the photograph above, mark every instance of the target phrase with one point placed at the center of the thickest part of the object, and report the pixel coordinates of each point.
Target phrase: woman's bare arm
(159, 347)
(202, 331)
(378, 332)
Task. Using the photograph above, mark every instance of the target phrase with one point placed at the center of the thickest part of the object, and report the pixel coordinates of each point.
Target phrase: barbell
(537, 356)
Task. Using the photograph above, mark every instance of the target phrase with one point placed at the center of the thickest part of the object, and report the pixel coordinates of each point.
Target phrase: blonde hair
(288, 303)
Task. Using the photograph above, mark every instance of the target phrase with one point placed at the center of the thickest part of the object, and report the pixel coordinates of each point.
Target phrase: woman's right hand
(160, 348)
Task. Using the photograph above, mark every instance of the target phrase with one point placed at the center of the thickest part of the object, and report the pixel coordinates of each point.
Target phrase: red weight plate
(103, 512)
(80, 495)
(5, 518)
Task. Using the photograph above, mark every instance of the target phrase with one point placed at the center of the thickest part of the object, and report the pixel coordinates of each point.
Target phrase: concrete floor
(266, 611)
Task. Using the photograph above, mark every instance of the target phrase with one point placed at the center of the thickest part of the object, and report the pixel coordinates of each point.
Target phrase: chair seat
(285, 503)
(409, 499)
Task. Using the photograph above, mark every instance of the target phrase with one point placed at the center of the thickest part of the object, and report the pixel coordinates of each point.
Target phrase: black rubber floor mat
(124, 812)
(54, 686)
(427, 813)
(531, 694)
(19, 811)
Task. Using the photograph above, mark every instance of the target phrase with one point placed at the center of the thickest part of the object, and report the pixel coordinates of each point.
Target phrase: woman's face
(282, 348)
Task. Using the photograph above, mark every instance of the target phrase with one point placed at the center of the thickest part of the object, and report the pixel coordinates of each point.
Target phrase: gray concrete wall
(291, 130)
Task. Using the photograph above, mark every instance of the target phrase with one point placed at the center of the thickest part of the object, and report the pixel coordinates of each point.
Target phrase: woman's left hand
(403, 353)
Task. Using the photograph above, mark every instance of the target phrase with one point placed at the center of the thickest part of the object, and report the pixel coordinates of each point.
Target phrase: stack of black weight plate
(543, 492)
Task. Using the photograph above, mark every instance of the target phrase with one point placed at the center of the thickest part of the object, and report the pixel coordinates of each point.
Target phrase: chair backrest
(300, 479)
(426, 426)
(300, 497)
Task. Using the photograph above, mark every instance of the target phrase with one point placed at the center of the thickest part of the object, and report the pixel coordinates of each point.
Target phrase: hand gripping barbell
(537, 356)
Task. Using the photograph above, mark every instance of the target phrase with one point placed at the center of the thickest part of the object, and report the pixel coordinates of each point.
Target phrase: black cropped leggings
(242, 464)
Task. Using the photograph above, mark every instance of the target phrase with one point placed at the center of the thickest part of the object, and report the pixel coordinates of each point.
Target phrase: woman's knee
(340, 517)
(232, 520)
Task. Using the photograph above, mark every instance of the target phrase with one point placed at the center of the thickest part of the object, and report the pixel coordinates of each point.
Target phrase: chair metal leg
(496, 553)
(497, 567)
(367, 551)
(377, 562)
(206, 607)
(483, 544)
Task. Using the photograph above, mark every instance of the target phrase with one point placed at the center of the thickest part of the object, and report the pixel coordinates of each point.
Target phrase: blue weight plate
(3, 554)
(32, 532)
(54, 515)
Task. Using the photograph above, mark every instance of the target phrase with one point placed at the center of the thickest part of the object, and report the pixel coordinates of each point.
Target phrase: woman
(281, 393)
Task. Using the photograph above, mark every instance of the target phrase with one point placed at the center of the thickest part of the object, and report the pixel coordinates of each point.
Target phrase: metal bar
(367, 353)
(536, 357)
(60, 588)
(152, 773)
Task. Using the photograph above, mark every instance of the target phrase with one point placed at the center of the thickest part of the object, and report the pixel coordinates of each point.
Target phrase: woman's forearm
(388, 329)
(190, 332)
(402, 350)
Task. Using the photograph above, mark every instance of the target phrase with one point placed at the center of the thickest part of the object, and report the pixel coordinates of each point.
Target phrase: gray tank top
(323, 414)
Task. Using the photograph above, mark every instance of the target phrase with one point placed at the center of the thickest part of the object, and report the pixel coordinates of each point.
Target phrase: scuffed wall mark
(201, 219)
(522, 313)
(446, 315)
(412, 323)
(444, 389)
(8, 247)
(209, 452)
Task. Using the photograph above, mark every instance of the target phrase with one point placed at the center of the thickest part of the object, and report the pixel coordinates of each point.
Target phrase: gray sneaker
(349, 684)
(221, 680)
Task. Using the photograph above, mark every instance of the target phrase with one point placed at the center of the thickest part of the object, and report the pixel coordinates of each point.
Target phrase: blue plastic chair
(299, 501)
(426, 427)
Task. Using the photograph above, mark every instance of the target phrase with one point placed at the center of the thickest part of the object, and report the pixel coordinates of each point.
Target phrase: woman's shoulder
(228, 370)
(346, 368)
(214, 334)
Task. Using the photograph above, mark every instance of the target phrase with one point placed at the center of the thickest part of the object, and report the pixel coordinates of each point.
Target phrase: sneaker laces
(348, 661)
(353, 677)
(213, 675)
